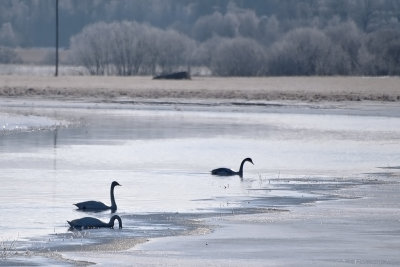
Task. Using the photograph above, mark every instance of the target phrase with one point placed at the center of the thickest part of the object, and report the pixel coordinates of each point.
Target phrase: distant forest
(228, 37)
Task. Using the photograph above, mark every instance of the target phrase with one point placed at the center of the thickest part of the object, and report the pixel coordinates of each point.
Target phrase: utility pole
(56, 74)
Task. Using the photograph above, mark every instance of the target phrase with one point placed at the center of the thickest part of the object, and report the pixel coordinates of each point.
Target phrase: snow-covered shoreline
(10, 123)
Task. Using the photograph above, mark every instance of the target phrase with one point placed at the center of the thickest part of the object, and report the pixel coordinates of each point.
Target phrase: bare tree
(126, 47)
(91, 48)
(175, 50)
(130, 48)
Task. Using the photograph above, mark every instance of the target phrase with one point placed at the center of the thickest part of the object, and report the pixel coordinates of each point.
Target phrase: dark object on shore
(91, 223)
(183, 75)
(229, 172)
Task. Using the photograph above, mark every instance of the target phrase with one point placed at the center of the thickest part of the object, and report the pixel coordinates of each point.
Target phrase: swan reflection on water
(93, 223)
(97, 205)
(229, 172)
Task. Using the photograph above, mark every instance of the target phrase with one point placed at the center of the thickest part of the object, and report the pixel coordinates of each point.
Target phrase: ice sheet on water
(22, 123)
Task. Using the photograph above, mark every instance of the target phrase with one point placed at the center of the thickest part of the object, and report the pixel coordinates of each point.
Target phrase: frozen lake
(53, 155)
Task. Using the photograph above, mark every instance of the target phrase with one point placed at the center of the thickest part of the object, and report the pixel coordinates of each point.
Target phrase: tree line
(129, 48)
(251, 47)
(230, 37)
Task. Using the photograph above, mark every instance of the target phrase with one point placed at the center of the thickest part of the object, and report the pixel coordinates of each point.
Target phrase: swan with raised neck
(97, 205)
(229, 172)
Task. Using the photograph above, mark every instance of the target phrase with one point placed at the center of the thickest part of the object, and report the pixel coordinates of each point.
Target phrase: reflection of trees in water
(55, 147)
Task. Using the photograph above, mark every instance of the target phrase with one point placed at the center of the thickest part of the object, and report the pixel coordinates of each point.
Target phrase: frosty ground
(203, 88)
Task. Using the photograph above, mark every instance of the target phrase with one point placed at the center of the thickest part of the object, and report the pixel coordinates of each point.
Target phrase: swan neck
(241, 168)
(119, 222)
(113, 204)
(113, 218)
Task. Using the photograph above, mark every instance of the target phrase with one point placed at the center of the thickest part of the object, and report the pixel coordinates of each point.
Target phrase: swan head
(249, 160)
(114, 184)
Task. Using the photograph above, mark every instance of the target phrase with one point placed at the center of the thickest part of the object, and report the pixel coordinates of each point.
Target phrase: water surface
(162, 157)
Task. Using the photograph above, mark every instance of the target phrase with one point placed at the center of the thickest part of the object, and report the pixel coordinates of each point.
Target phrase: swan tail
(80, 206)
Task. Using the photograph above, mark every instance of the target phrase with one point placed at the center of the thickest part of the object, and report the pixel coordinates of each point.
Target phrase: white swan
(90, 222)
(99, 206)
(229, 172)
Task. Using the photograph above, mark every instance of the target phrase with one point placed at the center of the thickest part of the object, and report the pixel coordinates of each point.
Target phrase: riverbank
(110, 88)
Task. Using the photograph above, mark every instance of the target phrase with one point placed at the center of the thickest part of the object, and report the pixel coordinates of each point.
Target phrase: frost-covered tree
(307, 51)
(291, 37)
(91, 48)
(268, 30)
(174, 50)
(130, 48)
(384, 46)
(350, 39)
(216, 24)
(126, 47)
(238, 57)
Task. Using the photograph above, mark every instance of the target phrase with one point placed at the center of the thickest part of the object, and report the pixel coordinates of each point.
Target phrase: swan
(229, 172)
(90, 222)
(99, 206)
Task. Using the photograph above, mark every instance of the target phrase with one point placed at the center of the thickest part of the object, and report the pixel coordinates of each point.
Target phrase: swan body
(224, 172)
(229, 172)
(90, 222)
(97, 205)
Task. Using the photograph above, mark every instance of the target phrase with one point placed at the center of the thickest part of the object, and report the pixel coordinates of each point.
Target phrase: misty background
(223, 37)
